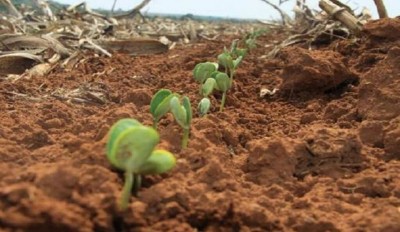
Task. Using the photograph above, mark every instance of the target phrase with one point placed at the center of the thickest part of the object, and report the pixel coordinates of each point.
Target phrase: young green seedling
(130, 147)
(204, 106)
(203, 71)
(159, 105)
(183, 116)
(237, 52)
(223, 84)
(250, 43)
(250, 40)
(218, 81)
(225, 59)
(208, 86)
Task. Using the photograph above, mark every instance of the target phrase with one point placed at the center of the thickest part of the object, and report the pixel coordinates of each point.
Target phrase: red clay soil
(320, 155)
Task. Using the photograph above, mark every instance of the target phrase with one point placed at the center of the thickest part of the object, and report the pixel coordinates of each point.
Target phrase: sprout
(163, 102)
(251, 38)
(226, 59)
(203, 71)
(218, 81)
(130, 147)
(183, 116)
(224, 84)
(250, 44)
(237, 52)
(159, 105)
(204, 106)
(208, 87)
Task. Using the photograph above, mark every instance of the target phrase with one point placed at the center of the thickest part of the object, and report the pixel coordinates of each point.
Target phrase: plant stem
(231, 72)
(155, 124)
(137, 183)
(126, 191)
(185, 138)
(221, 108)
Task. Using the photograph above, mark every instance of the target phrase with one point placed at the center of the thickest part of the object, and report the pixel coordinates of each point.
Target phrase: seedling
(204, 106)
(130, 147)
(250, 40)
(237, 52)
(208, 86)
(160, 105)
(165, 101)
(250, 44)
(203, 71)
(183, 116)
(224, 83)
(218, 81)
(229, 63)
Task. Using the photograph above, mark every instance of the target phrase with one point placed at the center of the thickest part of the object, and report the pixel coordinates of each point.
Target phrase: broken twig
(381, 9)
(341, 14)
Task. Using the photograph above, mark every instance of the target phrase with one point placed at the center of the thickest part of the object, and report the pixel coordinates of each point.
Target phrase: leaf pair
(225, 59)
(130, 147)
(160, 104)
(183, 115)
(219, 81)
(182, 112)
(231, 59)
(203, 71)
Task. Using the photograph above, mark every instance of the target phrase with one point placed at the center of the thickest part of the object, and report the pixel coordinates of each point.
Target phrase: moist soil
(322, 154)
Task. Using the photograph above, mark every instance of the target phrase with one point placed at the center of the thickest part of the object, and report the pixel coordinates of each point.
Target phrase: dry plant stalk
(284, 16)
(113, 7)
(341, 14)
(44, 6)
(381, 9)
(135, 10)
(11, 8)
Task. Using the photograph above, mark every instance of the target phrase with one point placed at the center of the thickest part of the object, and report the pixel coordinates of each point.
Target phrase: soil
(320, 155)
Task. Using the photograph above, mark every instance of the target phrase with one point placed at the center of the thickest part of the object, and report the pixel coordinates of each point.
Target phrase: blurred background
(242, 9)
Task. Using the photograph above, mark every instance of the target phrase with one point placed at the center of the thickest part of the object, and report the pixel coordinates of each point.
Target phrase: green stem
(155, 124)
(221, 108)
(231, 73)
(126, 191)
(137, 183)
(185, 138)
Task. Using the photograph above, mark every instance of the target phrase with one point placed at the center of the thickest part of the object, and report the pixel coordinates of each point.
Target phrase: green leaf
(159, 104)
(179, 112)
(202, 71)
(237, 62)
(163, 108)
(115, 130)
(204, 106)
(214, 74)
(157, 99)
(223, 82)
(208, 87)
(215, 64)
(160, 161)
(242, 52)
(234, 46)
(251, 43)
(131, 147)
(188, 108)
(225, 60)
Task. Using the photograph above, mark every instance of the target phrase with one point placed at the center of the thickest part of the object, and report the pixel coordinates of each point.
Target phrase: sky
(250, 9)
